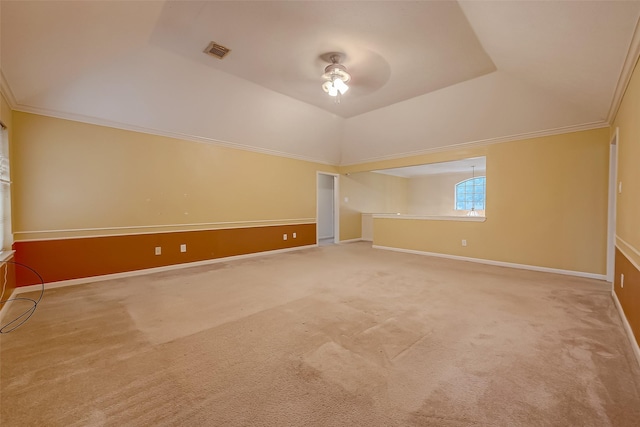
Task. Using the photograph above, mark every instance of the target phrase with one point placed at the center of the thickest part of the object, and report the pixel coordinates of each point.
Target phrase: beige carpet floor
(341, 335)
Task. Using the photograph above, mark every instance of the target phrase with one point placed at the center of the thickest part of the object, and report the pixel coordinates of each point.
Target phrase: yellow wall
(69, 175)
(628, 205)
(628, 202)
(546, 197)
(369, 192)
(546, 205)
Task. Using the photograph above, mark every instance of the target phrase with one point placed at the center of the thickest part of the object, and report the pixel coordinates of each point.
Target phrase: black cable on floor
(21, 319)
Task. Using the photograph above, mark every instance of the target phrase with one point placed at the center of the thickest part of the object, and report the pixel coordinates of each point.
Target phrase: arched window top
(470, 194)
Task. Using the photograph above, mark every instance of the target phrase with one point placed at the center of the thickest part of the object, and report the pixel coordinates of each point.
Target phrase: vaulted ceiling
(425, 75)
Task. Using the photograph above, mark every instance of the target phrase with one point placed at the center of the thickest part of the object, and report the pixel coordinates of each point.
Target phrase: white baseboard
(498, 263)
(3, 309)
(350, 240)
(91, 279)
(627, 326)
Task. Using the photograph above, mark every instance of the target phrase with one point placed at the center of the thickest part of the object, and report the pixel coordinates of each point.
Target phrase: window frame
(6, 235)
(473, 203)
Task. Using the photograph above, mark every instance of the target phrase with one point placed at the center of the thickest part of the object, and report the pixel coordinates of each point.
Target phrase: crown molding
(625, 74)
(6, 92)
(194, 138)
(151, 131)
(483, 142)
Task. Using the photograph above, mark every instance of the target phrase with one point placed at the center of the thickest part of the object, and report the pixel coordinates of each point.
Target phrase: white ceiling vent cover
(216, 50)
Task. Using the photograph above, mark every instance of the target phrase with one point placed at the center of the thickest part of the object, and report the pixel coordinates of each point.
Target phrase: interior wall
(435, 194)
(70, 175)
(628, 204)
(75, 258)
(628, 201)
(546, 205)
(76, 180)
(368, 192)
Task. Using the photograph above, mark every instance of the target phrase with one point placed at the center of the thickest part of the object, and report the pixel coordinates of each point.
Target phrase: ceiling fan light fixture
(330, 88)
(336, 78)
(336, 70)
(340, 85)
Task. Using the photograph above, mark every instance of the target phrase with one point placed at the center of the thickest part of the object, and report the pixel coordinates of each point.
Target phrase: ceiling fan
(336, 76)
(368, 72)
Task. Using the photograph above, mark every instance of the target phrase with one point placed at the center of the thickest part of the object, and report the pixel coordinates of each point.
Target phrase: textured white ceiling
(430, 44)
(426, 75)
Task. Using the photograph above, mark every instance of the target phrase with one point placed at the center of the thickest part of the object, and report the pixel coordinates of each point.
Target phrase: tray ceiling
(425, 74)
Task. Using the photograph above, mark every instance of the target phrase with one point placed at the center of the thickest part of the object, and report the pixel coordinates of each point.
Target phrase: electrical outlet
(183, 247)
(464, 242)
(284, 236)
(621, 280)
(295, 235)
(158, 250)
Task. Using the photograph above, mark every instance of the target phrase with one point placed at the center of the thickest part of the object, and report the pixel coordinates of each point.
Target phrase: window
(5, 192)
(470, 194)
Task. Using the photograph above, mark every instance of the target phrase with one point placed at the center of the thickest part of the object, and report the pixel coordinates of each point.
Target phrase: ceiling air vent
(214, 49)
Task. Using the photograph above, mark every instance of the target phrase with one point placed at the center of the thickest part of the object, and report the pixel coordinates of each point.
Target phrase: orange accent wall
(629, 295)
(76, 258)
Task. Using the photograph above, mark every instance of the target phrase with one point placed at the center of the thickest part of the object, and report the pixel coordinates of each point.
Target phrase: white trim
(194, 138)
(626, 255)
(625, 74)
(498, 263)
(6, 92)
(627, 327)
(5, 255)
(611, 202)
(432, 218)
(350, 240)
(91, 279)
(4, 308)
(629, 245)
(336, 208)
(152, 131)
(257, 223)
(483, 142)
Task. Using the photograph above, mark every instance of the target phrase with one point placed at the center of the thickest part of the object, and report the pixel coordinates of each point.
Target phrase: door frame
(611, 211)
(336, 205)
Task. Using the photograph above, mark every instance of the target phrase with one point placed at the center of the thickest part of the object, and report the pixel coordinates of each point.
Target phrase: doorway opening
(328, 209)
